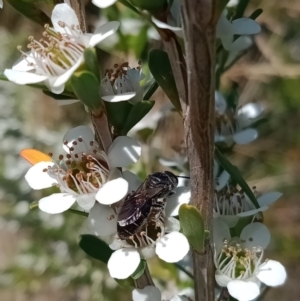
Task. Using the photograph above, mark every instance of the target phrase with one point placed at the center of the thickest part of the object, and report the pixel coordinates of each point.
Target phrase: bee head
(166, 180)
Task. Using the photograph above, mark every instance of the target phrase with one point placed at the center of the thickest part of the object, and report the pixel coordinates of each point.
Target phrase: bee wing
(132, 206)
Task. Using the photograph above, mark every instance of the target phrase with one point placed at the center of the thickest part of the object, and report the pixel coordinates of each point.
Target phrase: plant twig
(101, 127)
(199, 22)
(144, 280)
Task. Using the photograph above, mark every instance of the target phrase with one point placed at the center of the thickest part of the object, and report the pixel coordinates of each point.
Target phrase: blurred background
(39, 256)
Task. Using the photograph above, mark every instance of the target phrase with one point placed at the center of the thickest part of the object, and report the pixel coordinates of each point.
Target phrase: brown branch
(102, 132)
(144, 280)
(199, 36)
(80, 12)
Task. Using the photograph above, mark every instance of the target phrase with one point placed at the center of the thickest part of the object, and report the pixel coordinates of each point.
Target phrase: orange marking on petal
(34, 156)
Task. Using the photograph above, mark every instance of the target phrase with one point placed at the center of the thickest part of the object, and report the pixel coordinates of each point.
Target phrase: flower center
(231, 201)
(81, 172)
(121, 79)
(238, 263)
(56, 52)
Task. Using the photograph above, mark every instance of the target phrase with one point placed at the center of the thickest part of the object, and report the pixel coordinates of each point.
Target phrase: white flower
(54, 59)
(230, 204)
(151, 293)
(103, 3)
(226, 29)
(253, 235)
(170, 246)
(122, 84)
(160, 236)
(173, 19)
(233, 126)
(240, 44)
(242, 271)
(85, 173)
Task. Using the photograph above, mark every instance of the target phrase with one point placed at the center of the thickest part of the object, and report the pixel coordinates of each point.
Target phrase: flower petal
(230, 220)
(272, 273)
(245, 26)
(251, 110)
(181, 196)
(242, 290)
(112, 191)
(57, 203)
(124, 151)
(86, 201)
(252, 212)
(147, 252)
(24, 64)
(56, 90)
(119, 97)
(37, 178)
(172, 224)
(23, 78)
(72, 135)
(122, 263)
(164, 25)
(255, 235)
(222, 180)
(268, 198)
(240, 44)
(222, 279)
(148, 293)
(58, 82)
(224, 27)
(103, 32)
(245, 136)
(220, 103)
(103, 3)
(172, 247)
(221, 233)
(134, 182)
(64, 102)
(63, 13)
(102, 220)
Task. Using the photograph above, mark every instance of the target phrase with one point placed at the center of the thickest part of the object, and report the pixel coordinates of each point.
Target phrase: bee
(147, 201)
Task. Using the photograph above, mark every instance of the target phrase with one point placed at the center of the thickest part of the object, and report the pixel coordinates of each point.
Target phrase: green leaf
(117, 113)
(91, 62)
(86, 87)
(192, 225)
(139, 270)
(34, 205)
(151, 91)
(136, 114)
(240, 9)
(95, 247)
(256, 14)
(30, 11)
(160, 67)
(236, 176)
(150, 5)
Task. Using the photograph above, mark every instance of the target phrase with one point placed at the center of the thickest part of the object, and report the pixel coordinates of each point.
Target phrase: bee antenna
(183, 177)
